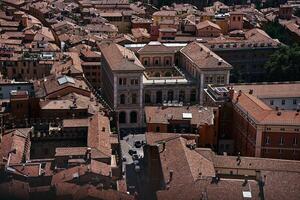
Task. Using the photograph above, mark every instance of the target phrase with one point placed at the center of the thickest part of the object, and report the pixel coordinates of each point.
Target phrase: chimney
(240, 93)
(171, 175)
(245, 181)
(164, 145)
(251, 91)
(231, 93)
(276, 108)
(88, 154)
(238, 159)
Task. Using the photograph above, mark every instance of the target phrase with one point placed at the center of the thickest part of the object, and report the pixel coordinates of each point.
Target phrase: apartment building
(247, 53)
(266, 120)
(205, 66)
(122, 83)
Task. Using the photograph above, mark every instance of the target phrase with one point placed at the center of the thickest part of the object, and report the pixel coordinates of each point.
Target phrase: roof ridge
(186, 157)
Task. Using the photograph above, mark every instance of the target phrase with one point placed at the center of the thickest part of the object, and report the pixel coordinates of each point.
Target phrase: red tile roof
(203, 57)
(119, 58)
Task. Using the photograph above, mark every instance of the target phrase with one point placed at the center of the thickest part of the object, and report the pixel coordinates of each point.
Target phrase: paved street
(132, 177)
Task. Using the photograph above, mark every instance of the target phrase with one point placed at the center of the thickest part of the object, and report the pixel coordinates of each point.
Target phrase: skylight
(65, 79)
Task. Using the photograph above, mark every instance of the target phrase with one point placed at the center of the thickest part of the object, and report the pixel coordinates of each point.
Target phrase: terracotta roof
(15, 140)
(204, 58)
(14, 189)
(263, 114)
(155, 47)
(165, 13)
(67, 123)
(207, 23)
(271, 90)
(99, 135)
(91, 192)
(27, 169)
(140, 32)
(119, 58)
(200, 115)
(168, 30)
(50, 85)
(193, 171)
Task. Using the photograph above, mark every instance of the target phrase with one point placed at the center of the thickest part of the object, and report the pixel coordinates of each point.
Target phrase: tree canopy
(284, 64)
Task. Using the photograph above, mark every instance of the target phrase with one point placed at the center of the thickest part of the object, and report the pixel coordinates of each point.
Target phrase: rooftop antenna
(238, 159)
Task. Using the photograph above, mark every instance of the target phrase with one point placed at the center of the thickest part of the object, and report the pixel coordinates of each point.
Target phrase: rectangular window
(281, 140)
(206, 79)
(134, 98)
(283, 102)
(294, 101)
(218, 79)
(122, 81)
(222, 79)
(271, 102)
(134, 82)
(267, 140)
(295, 141)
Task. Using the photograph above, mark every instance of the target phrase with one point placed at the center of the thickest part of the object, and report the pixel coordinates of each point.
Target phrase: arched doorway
(122, 117)
(133, 117)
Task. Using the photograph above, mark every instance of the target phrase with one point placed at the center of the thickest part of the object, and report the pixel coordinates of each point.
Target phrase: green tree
(284, 64)
(277, 31)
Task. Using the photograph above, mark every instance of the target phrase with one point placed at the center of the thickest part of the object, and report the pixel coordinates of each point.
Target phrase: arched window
(182, 95)
(145, 62)
(159, 96)
(167, 62)
(122, 117)
(122, 99)
(133, 117)
(170, 95)
(193, 96)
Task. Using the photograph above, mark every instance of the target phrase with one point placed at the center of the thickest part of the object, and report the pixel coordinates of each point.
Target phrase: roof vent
(279, 113)
(251, 91)
(220, 62)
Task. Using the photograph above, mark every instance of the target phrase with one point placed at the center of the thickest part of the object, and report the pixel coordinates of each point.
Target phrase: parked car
(137, 168)
(138, 144)
(131, 152)
(135, 162)
(135, 157)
